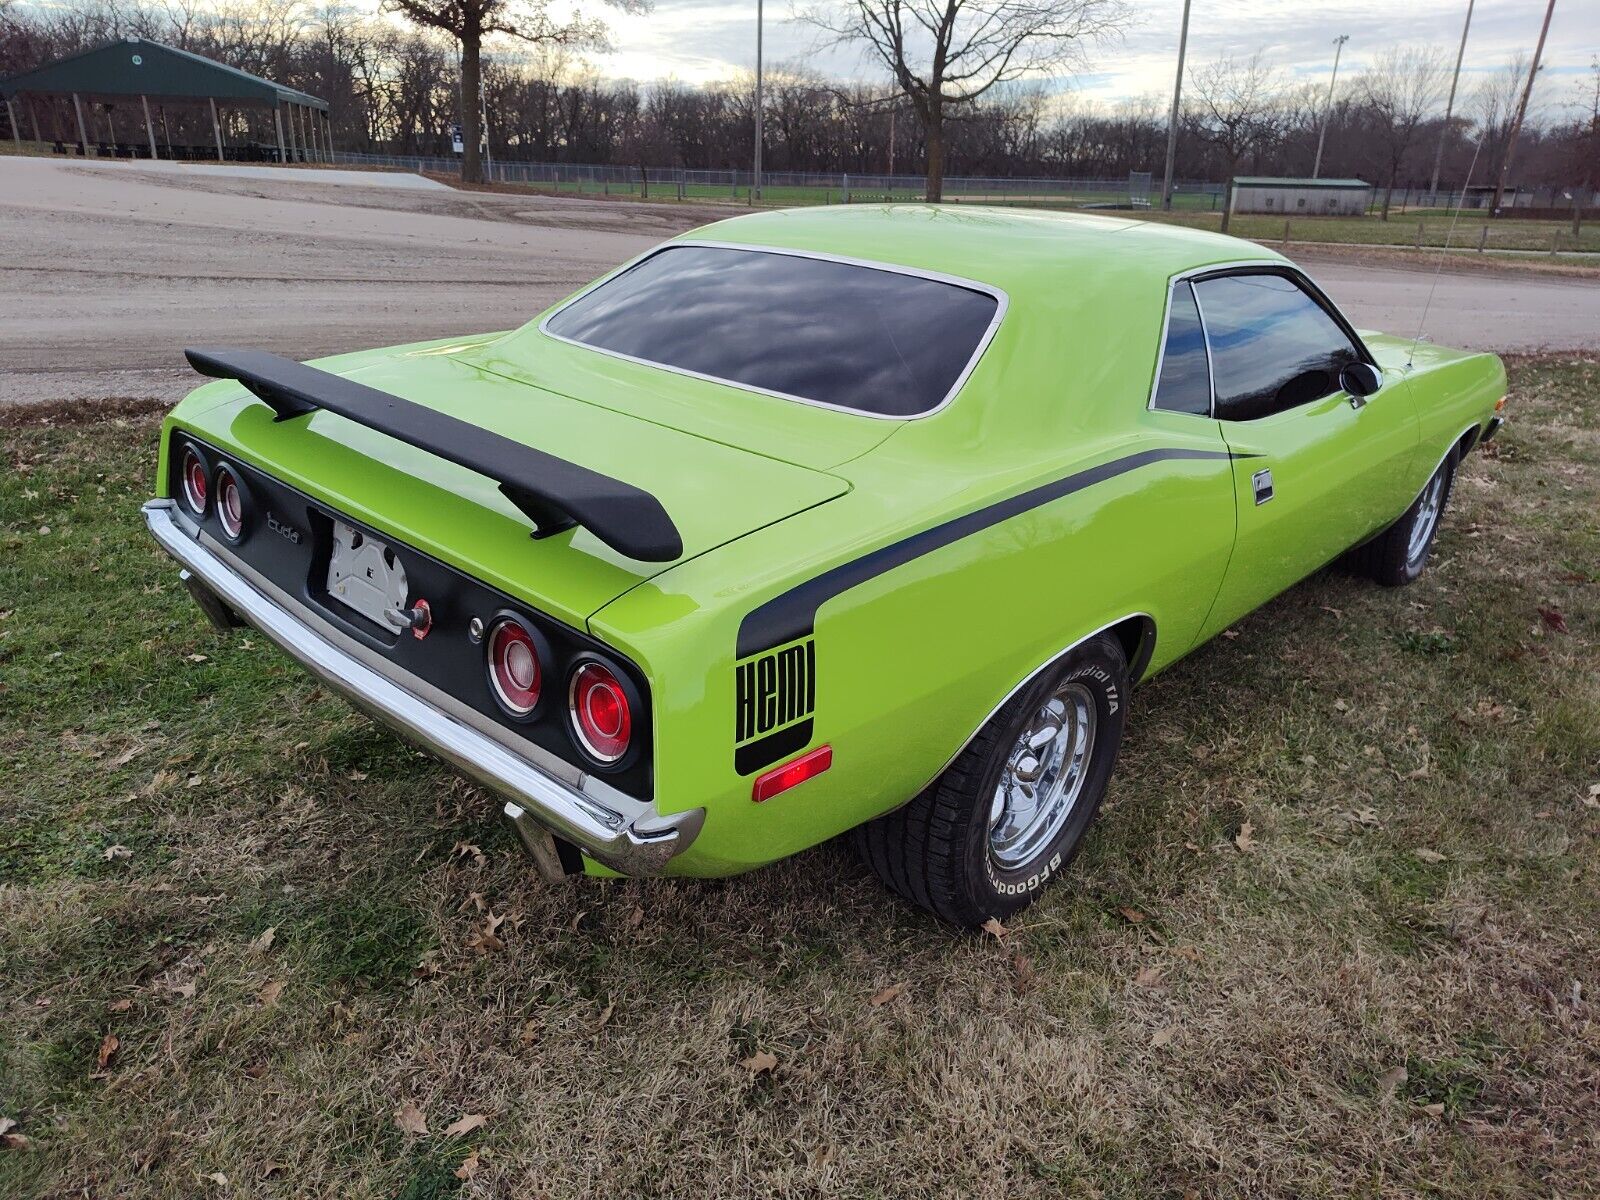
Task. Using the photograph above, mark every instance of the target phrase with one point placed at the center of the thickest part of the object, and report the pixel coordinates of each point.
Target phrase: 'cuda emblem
(285, 530)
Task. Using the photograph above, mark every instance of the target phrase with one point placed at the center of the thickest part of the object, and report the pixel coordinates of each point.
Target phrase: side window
(1184, 384)
(1273, 347)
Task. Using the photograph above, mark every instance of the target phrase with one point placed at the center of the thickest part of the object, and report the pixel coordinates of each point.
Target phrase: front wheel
(1012, 809)
(1397, 555)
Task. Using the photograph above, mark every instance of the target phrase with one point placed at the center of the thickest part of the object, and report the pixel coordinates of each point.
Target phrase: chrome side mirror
(1360, 380)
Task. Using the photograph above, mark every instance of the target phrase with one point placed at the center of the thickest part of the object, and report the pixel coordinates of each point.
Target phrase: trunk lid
(713, 491)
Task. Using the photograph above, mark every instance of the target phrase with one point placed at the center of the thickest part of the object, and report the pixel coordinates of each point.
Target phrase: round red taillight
(230, 503)
(601, 714)
(515, 670)
(196, 489)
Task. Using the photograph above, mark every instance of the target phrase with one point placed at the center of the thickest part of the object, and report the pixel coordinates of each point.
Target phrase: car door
(1316, 469)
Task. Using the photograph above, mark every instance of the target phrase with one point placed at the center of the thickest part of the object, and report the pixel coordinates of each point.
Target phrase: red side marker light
(781, 779)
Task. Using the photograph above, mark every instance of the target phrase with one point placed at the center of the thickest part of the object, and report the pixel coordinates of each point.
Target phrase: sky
(700, 40)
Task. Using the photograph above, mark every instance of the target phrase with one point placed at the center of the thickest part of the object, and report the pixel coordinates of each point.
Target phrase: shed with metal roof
(153, 72)
(1287, 197)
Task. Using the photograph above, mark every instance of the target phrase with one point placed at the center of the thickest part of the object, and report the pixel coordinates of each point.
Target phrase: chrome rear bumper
(640, 844)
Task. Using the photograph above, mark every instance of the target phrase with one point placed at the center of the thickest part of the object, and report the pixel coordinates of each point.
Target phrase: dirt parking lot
(106, 272)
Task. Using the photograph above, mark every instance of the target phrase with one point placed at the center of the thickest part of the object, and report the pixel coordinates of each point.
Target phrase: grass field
(1336, 934)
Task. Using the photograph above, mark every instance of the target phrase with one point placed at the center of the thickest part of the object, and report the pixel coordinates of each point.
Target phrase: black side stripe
(792, 615)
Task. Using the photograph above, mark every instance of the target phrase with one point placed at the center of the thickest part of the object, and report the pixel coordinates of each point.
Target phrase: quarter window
(1273, 347)
(1185, 381)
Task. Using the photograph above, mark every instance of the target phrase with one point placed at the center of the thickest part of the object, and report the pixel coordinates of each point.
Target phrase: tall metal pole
(1522, 111)
(1449, 106)
(1172, 121)
(1327, 109)
(755, 183)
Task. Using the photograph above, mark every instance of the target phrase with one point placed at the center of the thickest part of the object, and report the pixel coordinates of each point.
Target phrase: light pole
(1172, 121)
(755, 182)
(1449, 108)
(1327, 109)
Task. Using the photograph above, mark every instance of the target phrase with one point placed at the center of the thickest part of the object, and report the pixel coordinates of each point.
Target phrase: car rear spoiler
(555, 494)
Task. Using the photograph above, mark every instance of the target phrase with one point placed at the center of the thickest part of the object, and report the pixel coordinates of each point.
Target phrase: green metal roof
(1281, 181)
(140, 67)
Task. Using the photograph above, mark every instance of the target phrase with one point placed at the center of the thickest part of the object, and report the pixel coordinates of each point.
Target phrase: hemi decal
(772, 695)
(792, 615)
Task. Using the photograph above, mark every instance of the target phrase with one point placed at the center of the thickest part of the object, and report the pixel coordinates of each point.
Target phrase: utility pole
(755, 182)
(1172, 120)
(1522, 111)
(1449, 107)
(1327, 109)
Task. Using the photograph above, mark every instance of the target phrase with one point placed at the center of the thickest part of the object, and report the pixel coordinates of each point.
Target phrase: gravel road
(106, 272)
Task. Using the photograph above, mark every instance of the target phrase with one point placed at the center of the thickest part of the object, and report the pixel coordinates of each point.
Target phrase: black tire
(1390, 558)
(936, 851)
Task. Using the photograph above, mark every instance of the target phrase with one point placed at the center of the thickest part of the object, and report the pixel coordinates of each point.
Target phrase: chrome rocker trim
(640, 846)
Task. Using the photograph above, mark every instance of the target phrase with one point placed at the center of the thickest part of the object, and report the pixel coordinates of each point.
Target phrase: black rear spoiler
(555, 494)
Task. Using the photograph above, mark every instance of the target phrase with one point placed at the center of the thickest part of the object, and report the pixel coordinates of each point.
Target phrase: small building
(1300, 197)
(112, 99)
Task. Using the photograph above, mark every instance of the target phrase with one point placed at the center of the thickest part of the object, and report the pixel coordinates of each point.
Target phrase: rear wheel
(1397, 555)
(1012, 809)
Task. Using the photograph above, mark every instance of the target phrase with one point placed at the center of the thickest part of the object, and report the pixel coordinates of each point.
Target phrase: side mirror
(1360, 379)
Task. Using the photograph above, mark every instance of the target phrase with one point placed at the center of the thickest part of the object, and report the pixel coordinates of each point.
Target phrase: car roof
(1004, 248)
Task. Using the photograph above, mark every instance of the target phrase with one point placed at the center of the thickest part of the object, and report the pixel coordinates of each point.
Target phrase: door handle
(1261, 484)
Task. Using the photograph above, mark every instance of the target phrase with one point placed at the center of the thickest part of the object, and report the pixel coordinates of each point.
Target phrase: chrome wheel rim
(1043, 777)
(1428, 507)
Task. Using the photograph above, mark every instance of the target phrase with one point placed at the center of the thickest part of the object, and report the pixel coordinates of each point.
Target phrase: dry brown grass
(1391, 994)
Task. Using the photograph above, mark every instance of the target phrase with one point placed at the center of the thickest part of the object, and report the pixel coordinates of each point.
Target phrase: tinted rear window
(856, 337)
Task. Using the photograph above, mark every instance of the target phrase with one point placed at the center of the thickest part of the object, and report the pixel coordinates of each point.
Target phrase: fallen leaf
(1592, 800)
(108, 1050)
(358, 776)
(1192, 953)
(410, 1119)
(127, 756)
(14, 1141)
(1392, 1078)
(1554, 618)
(823, 1155)
(636, 917)
(484, 940)
(1230, 634)
(468, 850)
(1244, 839)
(7, 1124)
(1023, 976)
(112, 853)
(263, 943)
(1163, 1036)
(884, 995)
(116, 1006)
(993, 927)
(1433, 1110)
(1131, 915)
(218, 1178)
(1148, 977)
(269, 993)
(468, 1167)
(465, 1125)
(477, 900)
(195, 657)
(1364, 816)
(186, 990)
(761, 1060)
(605, 1015)
(1428, 856)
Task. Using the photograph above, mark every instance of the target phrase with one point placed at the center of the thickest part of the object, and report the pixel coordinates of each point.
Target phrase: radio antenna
(1444, 250)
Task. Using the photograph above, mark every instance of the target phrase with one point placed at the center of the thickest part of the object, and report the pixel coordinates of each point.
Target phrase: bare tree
(470, 21)
(1399, 89)
(1235, 109)
(945, 54)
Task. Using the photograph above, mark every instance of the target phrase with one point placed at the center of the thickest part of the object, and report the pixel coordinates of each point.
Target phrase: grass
(1391, 995)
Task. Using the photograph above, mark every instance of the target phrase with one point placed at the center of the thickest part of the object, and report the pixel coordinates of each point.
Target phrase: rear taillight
(230, 503)
(516, 659)
(196, 487)
(601, 711)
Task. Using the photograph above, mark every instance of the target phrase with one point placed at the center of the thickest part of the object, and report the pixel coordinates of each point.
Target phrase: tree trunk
(1388, 193)
(471, 57)
(1227, 198)
(933, 125)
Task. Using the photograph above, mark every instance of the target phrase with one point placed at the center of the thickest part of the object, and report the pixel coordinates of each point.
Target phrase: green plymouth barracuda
(853, 519)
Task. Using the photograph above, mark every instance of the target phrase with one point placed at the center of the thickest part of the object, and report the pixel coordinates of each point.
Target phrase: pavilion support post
(33, 119)
(83, 132)
(216, 126)
(327, 132)
(318, 135)
(149, 129)
(16, 130)
(277, 121)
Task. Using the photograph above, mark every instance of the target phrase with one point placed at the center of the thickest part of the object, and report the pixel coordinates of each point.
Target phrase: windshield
(868, 339)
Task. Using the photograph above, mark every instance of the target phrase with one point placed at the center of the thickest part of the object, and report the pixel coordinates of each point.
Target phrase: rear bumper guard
(641, 845)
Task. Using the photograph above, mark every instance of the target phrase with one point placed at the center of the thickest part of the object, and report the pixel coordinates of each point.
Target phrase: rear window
(855, 337)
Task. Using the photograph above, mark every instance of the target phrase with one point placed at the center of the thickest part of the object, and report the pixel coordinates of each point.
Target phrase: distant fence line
(836, 187)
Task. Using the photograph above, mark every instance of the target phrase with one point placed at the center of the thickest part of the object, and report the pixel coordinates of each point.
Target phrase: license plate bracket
(365, 575)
